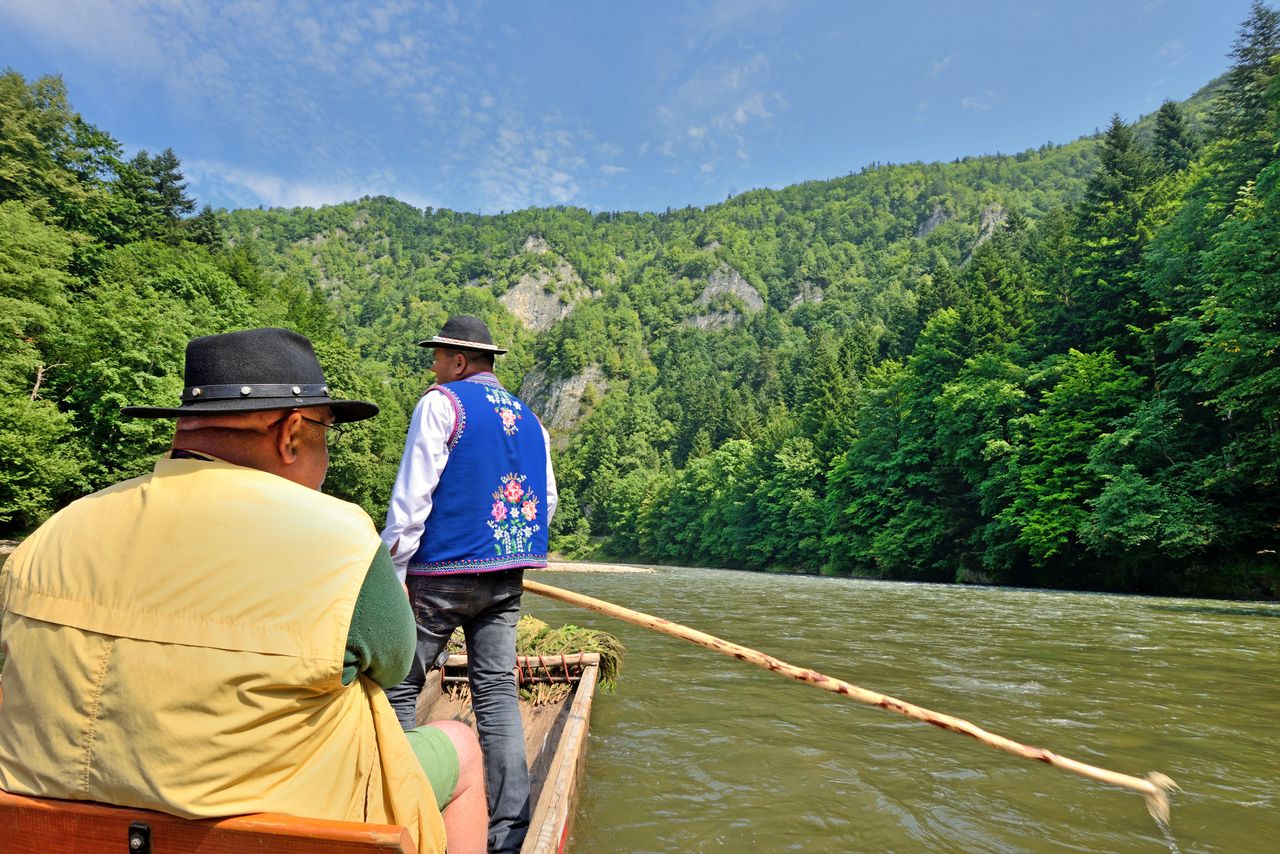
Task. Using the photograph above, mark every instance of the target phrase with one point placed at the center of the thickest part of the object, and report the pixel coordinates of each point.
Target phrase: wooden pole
(1154, 788)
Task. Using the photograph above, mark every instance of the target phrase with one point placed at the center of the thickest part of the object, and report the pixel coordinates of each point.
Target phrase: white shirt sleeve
(425, 456)
(553, 494)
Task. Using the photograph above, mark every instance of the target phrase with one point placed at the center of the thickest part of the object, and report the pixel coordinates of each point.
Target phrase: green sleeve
(381, 639)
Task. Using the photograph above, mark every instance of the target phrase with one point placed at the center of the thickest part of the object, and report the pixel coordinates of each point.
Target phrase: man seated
(210, 639)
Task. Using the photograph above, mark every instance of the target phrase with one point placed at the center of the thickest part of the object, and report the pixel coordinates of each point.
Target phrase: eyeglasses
(332, 432)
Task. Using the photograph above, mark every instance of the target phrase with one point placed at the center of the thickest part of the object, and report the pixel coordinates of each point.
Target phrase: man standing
(469, 512)
(209, 639)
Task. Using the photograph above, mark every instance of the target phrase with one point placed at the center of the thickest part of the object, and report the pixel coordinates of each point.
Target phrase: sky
(608, 105)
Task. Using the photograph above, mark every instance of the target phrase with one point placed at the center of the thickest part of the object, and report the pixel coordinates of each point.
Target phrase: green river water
(699, 752)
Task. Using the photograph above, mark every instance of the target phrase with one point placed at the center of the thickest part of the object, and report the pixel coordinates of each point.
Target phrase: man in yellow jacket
(211, 639)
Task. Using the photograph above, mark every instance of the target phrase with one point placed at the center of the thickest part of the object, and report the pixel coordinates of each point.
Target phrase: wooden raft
(555, 737)
(555, 743)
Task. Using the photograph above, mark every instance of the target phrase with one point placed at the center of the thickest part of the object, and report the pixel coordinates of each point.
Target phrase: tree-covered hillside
(1057, 367)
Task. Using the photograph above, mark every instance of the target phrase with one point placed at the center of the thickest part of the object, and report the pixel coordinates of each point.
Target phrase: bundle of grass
(536, 638)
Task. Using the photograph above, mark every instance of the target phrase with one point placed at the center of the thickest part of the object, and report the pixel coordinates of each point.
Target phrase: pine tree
(1240, 109)
(1109, 243)
(1242, 117)
(203, 228)
(1174, 143)
(156, 192)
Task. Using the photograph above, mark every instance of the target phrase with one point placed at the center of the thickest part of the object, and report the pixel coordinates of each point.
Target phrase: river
(699, 752)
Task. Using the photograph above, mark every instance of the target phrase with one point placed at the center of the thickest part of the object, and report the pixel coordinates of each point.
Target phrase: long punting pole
(1154, 788)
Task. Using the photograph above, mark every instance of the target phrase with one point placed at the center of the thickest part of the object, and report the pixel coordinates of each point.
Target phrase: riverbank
(556, 565)
(1236, 583)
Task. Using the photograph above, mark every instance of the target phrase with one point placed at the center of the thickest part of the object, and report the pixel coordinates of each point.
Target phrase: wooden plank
(48, 826)
(549, 825)
(529, 661)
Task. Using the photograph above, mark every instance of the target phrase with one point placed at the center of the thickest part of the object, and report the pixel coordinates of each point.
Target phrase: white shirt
(425, 456)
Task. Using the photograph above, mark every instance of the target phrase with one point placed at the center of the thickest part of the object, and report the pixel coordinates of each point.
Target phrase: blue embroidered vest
(488, 512)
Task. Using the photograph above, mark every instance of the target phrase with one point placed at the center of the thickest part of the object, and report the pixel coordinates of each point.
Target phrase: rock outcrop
(992, 217)
(937, 218)
(809, 292)
(536, 245)
(725, 281)
(543, 296)
(558, 403)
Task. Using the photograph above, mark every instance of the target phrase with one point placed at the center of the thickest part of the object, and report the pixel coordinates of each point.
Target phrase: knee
(470, 759)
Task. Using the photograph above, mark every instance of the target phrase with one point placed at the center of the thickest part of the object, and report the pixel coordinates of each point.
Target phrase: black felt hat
(464, 332)
(253, 371)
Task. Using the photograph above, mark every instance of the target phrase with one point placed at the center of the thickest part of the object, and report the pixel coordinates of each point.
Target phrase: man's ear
(289, 437)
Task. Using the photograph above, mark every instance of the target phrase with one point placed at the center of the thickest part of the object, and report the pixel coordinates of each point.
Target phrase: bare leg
(466, 818)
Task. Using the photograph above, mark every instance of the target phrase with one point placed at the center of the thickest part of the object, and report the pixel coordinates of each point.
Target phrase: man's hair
(475, 357)
(484, 359)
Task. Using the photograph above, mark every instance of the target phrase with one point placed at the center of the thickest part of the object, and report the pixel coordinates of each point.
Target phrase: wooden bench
(47, 826)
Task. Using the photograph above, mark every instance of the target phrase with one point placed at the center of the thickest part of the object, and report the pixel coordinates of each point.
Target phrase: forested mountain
(1057, 367)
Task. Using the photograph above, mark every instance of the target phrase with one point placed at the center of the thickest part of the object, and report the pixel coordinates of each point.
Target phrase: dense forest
(1059, 367)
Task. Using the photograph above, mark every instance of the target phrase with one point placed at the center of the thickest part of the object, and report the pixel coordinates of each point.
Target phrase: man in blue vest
(470, 510)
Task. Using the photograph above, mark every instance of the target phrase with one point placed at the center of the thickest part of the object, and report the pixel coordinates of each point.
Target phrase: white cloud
(972, 102)
(241, 187)
(313, 101)
(941, 65)
(752, 108)
(102, 30)
(705, 116)
(268, 68)
(726, 19)
(523, 166)
(1171, 53)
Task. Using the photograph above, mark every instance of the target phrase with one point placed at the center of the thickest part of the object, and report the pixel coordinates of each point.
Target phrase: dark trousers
(487, 606)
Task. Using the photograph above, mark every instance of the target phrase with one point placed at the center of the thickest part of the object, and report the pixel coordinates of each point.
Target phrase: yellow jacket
(175, 642)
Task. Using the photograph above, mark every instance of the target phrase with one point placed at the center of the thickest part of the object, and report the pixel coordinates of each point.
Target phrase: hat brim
(344, 411)
(455, 344)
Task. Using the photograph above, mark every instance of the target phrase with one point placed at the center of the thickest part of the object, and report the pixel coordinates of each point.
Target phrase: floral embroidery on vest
(513, 513)
(507, 407)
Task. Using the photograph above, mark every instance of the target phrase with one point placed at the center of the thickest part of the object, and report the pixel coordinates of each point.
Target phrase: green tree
(1108, 301)
(1237, 362)
(51, 158)
(156, 192)
(1051, 485)
(1173, 143)
(41, 460)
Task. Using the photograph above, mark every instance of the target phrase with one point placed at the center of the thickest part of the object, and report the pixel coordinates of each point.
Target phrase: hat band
(463, 345)
(251, 391)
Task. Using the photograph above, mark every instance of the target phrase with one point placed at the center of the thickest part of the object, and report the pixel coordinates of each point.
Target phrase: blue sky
(607, 105)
